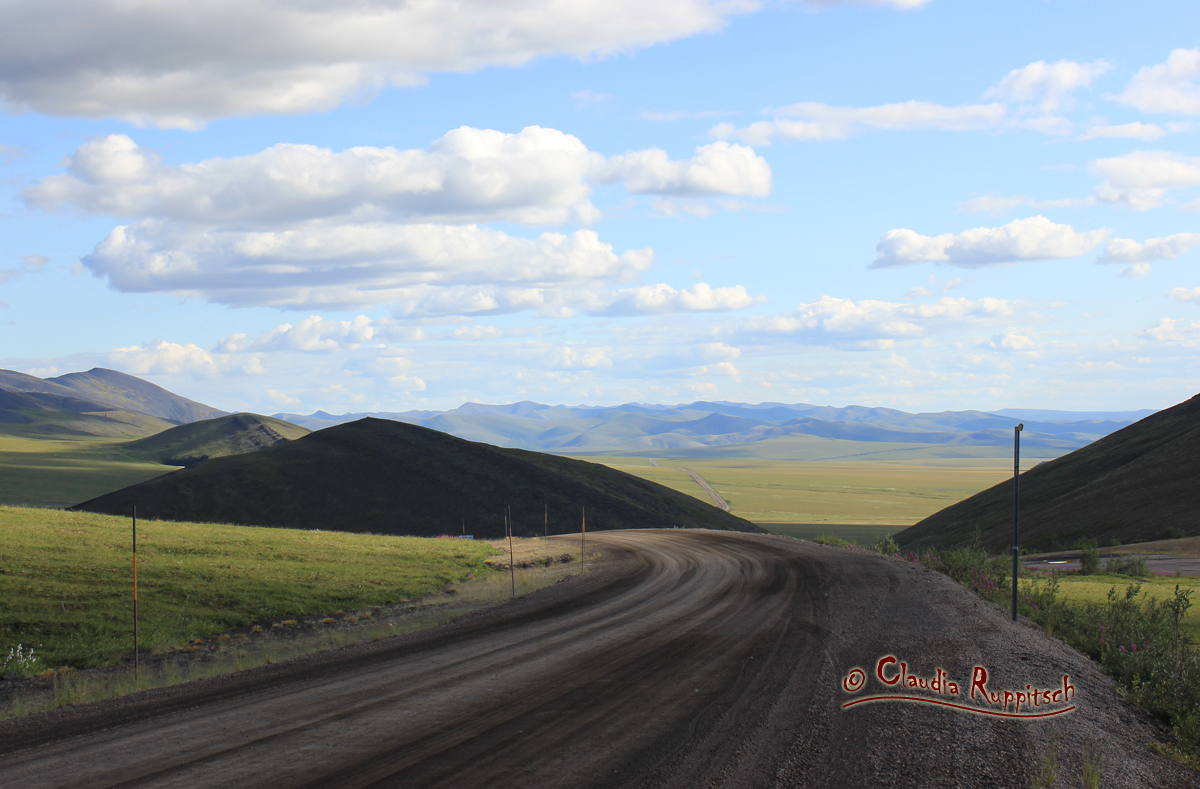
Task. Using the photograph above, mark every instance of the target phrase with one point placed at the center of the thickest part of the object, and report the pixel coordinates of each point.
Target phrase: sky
(386, 205)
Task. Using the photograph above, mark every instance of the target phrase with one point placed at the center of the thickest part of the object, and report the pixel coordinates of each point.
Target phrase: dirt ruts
(689, 658)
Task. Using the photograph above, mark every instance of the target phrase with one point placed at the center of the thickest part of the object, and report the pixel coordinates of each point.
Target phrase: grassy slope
(1133, 484)
(65, 579)
(62, 457)
(387, 477)
(864, 493)
(134, 394)
(226, 435)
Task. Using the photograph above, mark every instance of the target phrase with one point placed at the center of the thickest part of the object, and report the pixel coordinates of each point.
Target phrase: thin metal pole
(512, 567)
(135, 600)
(1016, 542)
(583, 542)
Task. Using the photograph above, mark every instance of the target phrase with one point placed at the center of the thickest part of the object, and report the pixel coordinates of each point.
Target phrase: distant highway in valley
(712, 493)
(684, 659)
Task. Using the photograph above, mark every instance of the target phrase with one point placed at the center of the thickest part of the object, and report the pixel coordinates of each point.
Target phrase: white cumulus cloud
(537, 176)
(1175, 332)
(314, 333)
(1047, 85)
(831, 319)
(346, 266)
(716, 169)
(1035, 238)
(816, 122)
(1124, 131)
(169, 358)
(1126, 250)
(1171, 87)
(1184, 294)
(302, 227)
(1140, 180)
(178, 64)
(659, 299)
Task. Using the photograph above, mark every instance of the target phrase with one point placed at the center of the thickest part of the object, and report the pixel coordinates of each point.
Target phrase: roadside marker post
(512, 566)
(545, 519)
(135, 602)
(583, 542)
(1016, 545)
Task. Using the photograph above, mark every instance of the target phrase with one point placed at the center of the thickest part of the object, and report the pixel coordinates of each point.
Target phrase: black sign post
(1016, 544)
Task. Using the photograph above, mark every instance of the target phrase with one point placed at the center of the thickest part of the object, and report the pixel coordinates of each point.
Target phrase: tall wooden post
(512, 565)
(135, 600)
(1016, 546)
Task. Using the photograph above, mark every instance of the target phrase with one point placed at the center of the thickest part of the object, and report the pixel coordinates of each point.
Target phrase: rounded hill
(387, 477)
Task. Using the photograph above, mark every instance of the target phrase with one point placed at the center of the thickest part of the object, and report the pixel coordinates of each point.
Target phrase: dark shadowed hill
(236, 434)
(386, 477)
(1136, 483)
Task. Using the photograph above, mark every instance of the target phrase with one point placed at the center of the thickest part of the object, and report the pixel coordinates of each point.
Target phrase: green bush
(1127, 565)
(887, 546)
(1089, 562)
(837, 542)
(971, 567)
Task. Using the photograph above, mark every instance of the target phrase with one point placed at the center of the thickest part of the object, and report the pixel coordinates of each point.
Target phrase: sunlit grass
(817, 492)
(66, 579)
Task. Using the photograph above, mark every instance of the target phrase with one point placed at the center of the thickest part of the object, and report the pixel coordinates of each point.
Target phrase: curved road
(689, 659)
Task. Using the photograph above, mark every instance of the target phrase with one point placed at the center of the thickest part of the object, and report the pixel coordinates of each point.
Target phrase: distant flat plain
(857, 500)
(59, 472)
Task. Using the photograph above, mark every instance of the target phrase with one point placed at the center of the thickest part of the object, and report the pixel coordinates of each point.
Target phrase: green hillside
(130, 393)
(1138, 483)
(386, 477)
(235, 434)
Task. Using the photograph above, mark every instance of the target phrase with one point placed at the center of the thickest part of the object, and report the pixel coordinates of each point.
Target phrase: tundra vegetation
(1143, 634)
(66, 580)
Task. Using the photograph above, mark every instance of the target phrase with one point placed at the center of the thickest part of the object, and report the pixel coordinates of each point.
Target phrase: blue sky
(923, 205)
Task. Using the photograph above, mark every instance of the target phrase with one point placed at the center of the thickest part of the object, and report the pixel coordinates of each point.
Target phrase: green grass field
(800, 496)
(59, 472)
(66, 579)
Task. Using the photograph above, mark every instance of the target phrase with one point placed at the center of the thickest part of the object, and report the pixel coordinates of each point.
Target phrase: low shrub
(828, 539)
(1127, 565)
(887, 546)
(971, 567)
(1089, 562)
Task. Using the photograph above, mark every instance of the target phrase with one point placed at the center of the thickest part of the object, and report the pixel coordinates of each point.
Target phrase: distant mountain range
(99, 402)
(707, 429)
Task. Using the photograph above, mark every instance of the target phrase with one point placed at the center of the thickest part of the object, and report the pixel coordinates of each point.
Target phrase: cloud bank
(1035, 238)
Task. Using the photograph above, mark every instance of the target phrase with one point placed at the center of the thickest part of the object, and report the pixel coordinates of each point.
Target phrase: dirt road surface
(685, 659)
(712, 493)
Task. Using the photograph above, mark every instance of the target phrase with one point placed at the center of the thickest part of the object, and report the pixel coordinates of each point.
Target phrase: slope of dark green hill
(386, 477)
(1134, 484)
(236, 434)
(130, 393)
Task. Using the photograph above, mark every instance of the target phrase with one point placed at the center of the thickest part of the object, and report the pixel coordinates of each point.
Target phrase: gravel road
(685, 659)
(712, 493)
